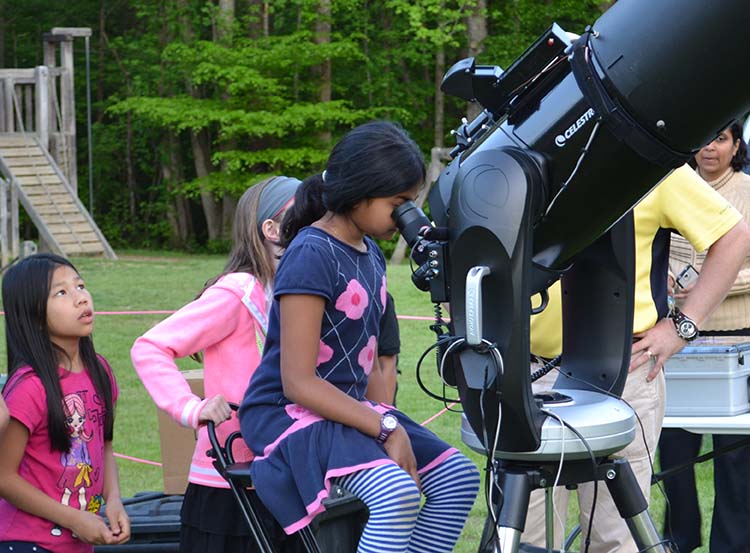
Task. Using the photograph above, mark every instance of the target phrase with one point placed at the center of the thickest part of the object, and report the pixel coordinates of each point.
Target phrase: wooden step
(83, 238)
(75, 219)
(33, 171)
(6, 141)
(41, 189)
(65, 208)
(25, 161)
(85, 249)
(13, 153)
(44, 179)
(55, 199)
(68, 227)
(55, 195)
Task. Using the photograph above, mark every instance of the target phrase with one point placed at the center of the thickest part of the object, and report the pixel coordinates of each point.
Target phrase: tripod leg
(516, 490)
(633, 507)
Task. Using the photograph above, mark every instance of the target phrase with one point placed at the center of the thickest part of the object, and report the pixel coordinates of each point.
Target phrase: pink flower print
(382, 294)
(297, 412)
(325, 353)
(367, 355)
(353, 301)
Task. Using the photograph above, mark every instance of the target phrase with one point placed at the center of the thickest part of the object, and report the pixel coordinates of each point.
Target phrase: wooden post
(15, 243)
(28, 107)
(50, 61)
(68, 109)
(9, 233)
(41, 108)
(2, 103)
(4, 224)
(8, 97)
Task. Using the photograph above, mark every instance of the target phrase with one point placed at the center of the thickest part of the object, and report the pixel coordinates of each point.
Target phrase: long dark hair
(374, 160)
(740, 158)
(26, 289)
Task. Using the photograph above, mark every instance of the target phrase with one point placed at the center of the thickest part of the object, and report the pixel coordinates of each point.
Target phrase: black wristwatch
(684, 325)
(387, 425)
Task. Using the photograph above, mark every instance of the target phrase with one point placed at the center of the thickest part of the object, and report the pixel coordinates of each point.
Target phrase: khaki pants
(609, 532)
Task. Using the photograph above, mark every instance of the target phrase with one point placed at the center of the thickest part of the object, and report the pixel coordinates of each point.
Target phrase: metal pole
(88, 128)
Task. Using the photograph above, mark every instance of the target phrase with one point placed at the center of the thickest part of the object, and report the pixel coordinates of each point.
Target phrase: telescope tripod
(517, 479)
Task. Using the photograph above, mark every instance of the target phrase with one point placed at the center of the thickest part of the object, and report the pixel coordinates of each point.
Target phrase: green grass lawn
(141, 281)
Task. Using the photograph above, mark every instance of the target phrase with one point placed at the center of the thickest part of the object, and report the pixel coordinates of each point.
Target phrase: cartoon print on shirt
(95, 503)
(77, 470)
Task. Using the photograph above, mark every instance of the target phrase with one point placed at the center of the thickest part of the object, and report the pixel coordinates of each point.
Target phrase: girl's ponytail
(308, 207)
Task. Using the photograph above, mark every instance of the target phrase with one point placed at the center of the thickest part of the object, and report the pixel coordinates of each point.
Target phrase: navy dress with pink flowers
(297, 452)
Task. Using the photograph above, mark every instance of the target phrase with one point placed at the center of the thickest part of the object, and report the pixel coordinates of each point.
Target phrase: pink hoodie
(228, 323)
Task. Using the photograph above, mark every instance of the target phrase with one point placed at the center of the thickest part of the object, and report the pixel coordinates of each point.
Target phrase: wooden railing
(41, 101)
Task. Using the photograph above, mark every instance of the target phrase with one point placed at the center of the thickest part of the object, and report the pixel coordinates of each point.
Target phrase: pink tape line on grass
(137, 460)
(441, 412)
(154, 463)
(169, 312)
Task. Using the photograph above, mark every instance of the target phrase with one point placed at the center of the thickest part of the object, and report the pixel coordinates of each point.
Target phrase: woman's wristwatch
(388, 424)
(684, 325)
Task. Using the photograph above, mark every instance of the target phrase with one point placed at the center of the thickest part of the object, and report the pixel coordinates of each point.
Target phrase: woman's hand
(660, 342)
(216, 410)
(398, 448)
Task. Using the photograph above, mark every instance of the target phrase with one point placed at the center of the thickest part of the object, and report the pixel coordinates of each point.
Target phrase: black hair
(25, 291)
(374, 160)
(741, 158)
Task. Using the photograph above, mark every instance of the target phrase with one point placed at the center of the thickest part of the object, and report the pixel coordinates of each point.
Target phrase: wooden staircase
(60, 217)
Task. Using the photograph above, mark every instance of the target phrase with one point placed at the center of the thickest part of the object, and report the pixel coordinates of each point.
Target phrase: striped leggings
(397, 524)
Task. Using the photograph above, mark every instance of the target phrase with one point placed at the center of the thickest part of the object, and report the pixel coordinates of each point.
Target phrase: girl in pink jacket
(227, 323)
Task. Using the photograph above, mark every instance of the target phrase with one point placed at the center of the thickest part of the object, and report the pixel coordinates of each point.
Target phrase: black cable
(546, 368)
(660, 476)
(640, 423)
(587, 541)
(421, 383)
(670, 543)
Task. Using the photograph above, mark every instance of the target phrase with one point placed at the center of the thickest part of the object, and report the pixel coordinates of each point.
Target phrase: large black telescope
(574, 133)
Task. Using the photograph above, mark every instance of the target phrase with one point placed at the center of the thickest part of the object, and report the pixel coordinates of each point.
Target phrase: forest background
(195, 100)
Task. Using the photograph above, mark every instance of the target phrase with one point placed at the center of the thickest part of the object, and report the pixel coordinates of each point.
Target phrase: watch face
(390, 422)
(687, 329)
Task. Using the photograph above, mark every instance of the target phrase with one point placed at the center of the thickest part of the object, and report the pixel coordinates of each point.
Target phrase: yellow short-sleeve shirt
(682, 202)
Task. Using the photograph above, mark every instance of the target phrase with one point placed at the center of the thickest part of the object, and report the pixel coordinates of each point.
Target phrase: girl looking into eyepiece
(57, 466)
(305, 414)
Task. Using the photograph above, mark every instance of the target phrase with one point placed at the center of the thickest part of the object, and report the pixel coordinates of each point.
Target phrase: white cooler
(710, 377)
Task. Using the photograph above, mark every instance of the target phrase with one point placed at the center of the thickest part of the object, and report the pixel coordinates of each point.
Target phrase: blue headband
(276, 196)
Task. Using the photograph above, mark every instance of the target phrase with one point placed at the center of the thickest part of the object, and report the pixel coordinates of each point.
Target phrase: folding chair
(238, 477)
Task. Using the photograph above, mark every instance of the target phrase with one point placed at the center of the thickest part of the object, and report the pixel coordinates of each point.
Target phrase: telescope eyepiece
(411, 222)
